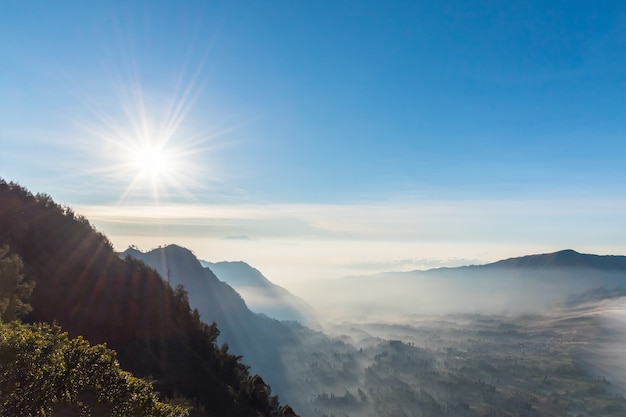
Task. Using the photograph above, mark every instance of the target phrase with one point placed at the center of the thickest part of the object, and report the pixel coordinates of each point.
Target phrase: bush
(43, 372)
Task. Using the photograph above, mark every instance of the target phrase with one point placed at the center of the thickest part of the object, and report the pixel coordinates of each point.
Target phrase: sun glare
(147, 151)
(150, 147)
(152, 161)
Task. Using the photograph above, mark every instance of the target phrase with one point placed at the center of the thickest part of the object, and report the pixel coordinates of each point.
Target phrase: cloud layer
(294, 242)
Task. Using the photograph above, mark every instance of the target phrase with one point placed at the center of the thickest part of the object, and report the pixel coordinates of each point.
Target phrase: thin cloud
(558, 222)
(240, 237)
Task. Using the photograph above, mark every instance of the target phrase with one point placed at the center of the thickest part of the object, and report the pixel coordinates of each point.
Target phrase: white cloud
(476, 221)
(295, 242)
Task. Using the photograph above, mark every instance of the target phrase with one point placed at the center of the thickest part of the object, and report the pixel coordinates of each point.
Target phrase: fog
(551, 364)
(394, 296)
(602, 348)
(567, 359)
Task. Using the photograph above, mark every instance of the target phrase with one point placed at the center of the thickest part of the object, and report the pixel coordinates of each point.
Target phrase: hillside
(262, 295)
(260, 339)
(83, 285)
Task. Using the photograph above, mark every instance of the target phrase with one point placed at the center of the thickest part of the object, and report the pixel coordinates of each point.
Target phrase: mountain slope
(86, 288)
(262, 295)
(213, 299)
(259, 339)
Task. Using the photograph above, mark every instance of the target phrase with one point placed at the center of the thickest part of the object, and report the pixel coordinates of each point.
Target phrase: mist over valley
(536, 335)
(525, 285)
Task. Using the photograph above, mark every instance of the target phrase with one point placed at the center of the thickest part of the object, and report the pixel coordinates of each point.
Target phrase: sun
(154, 169)
(152, 161)
(150, 149)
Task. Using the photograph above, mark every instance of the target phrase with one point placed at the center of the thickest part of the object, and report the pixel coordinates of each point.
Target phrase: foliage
(43, 371)
(13, 290)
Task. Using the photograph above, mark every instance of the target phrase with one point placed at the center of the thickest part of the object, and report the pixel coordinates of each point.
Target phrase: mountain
(260, 339)
(567, 258)
(262, 295)
(528, 284)
(214, 299)
(85, 287)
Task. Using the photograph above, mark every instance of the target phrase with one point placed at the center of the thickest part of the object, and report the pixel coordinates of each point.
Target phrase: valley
(562, 360)
(461, 365)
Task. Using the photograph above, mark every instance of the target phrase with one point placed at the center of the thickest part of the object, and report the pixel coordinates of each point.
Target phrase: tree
(13, 290)
(45, 373)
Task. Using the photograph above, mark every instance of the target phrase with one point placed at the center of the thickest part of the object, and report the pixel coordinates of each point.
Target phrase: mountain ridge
(564, 258)
(261, 294)
(559, 259)
(260, 339)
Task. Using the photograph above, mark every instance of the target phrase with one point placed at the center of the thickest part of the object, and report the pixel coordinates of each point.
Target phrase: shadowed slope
(258, 338)
(85, 287)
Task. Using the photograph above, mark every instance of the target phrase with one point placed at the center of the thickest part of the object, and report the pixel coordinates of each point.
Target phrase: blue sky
(302, 116)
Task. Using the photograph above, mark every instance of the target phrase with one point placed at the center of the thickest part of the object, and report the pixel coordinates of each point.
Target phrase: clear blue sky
(334, 103)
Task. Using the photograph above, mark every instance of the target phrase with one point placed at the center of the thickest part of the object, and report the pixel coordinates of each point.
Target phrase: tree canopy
(43, 372)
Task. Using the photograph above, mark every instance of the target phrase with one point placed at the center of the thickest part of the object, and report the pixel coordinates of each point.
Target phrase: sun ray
(148, 146)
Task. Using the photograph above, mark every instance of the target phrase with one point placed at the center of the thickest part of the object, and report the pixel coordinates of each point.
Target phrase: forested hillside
(261, 340)
(81, 284)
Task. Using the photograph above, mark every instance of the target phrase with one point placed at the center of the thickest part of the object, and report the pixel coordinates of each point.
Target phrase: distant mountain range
(526, 284)
(567, 258)
(260, 294)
